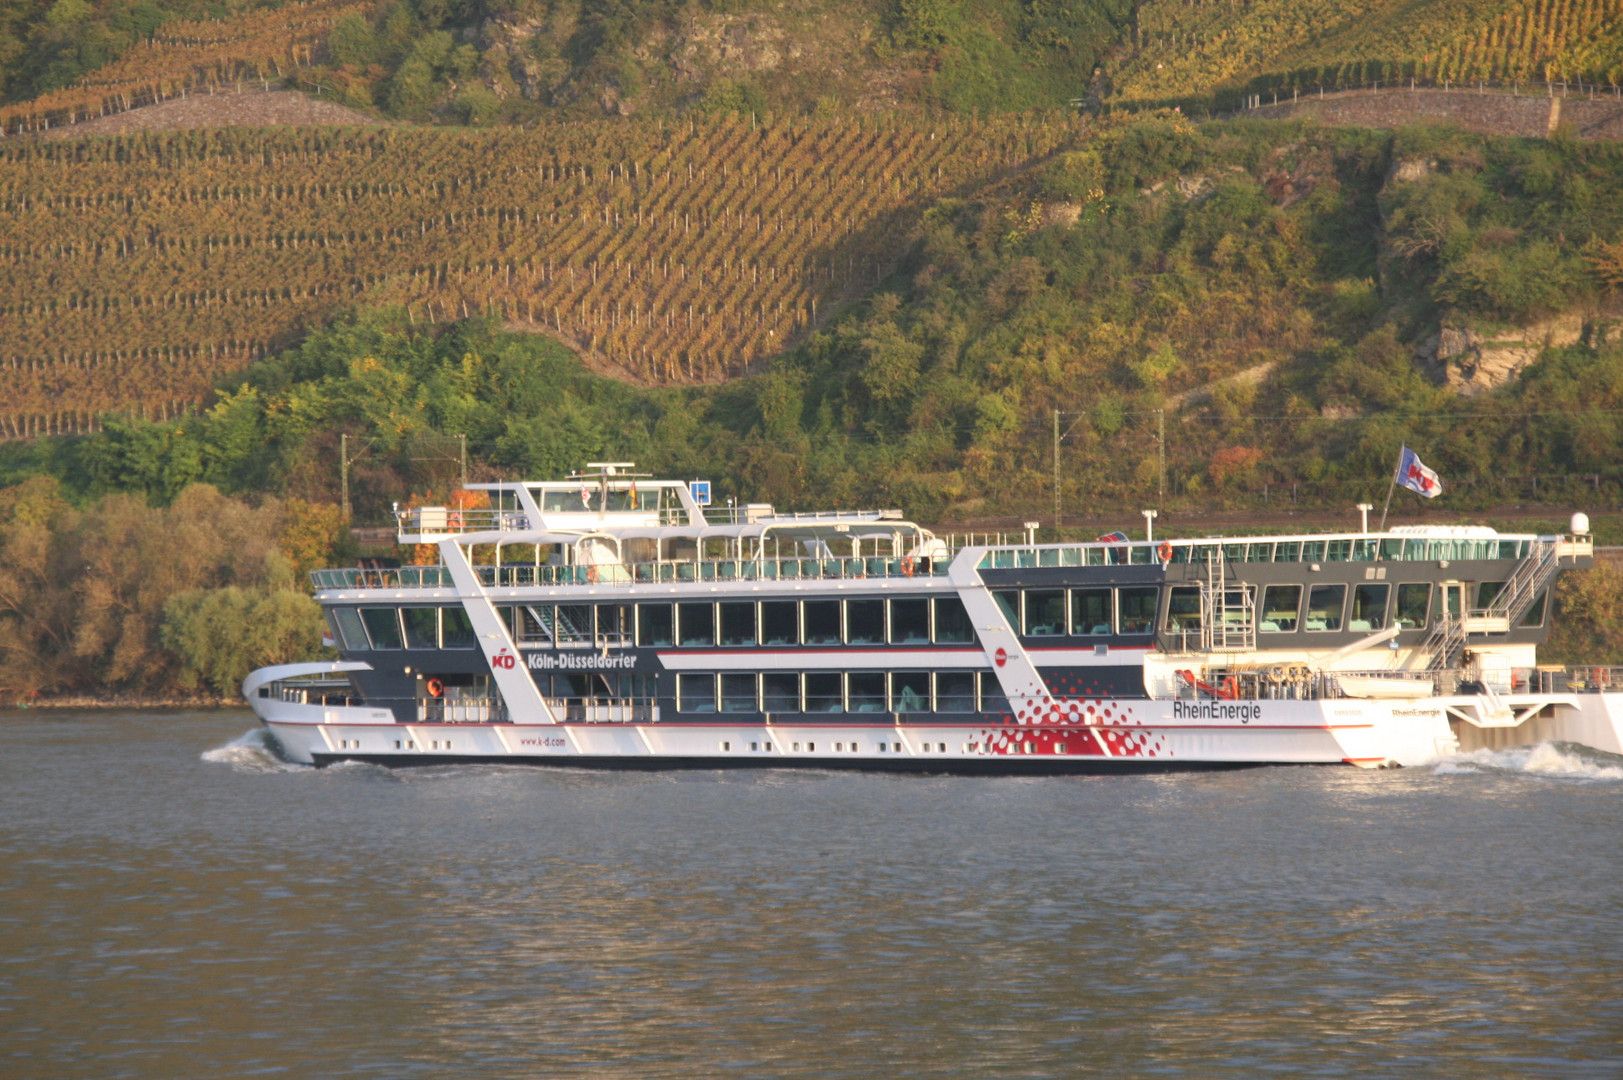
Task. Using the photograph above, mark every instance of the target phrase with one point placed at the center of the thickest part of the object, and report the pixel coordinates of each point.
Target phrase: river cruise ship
(614, 620)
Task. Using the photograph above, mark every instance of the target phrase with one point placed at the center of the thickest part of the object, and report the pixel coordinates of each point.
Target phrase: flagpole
(1390, 488)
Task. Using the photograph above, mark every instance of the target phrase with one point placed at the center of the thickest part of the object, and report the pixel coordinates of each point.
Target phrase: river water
(176, 902)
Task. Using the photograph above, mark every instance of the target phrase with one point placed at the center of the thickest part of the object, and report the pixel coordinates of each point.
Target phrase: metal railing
(624, 574)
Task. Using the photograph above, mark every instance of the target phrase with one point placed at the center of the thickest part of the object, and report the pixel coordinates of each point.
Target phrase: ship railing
(312, 691)
(518, 575)
(445, 519)
(1580, 679)
(605, 710)
(462, 710)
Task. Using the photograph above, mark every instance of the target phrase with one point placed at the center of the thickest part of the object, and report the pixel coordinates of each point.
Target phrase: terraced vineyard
(186, 56)
(1191, 47)
(136, 271)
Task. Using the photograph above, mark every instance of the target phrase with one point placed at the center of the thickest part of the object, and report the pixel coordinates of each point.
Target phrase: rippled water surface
(175, 902)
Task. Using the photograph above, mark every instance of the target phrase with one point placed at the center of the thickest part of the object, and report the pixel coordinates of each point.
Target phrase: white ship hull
(1139, 735)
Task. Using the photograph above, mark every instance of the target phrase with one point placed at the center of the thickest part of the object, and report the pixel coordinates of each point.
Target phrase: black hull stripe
(997, 765)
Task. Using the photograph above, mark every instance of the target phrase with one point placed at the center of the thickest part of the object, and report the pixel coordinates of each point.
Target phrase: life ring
(591, 574)
(907, 566)
(434, 687)
(1164, 552)
(1231, 688)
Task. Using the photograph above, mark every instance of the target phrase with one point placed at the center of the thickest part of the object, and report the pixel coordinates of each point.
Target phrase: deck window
(780, 622)
(910, 691)
(696, 693)
(1288, 551)
(780, 692)
(1090, 611)
(865, 622)
(1535, 614)
(910, 622)
(1259, 552)
(1487, 592)
(351, 634)
(1368, 608)
(955, 691)
(654, 625)
(572, 624)
(1280, 605)
(992, 699)
(1312, 551)
(613, 625)
(1414, 605)
(1135, 609)
(1324, 604)
(823, 692)
(821, 619)
(1183, 611)
(383, 626)
(696, 623)
(422, 627)
(737, 623)
(456, 629)
(865, 691)
(952, 623)
(1008, 602)
(1045, 612)
(738, 692)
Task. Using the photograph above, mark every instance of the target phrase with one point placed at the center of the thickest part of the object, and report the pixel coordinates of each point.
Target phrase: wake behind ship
(612, 620)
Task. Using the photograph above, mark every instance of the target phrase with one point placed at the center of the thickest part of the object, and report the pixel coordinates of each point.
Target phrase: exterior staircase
(1446, 642)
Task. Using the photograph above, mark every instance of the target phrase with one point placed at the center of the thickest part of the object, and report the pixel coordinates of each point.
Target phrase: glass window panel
(822, 622)
(1391, 550)
(1414, 606)
(737, 692)
(574, 622)
(1183, 610)
(1363, 550)
(695, 693)
(1313, 551)
(1090, 611)
(737, 622)
(655, 625)
(865, 622)
(1288, 551)
(910, 622)
(456, 629)
(1280, 604)
(1535, 614)
(1324, 604)
(422, 627)
(1234, 552)
(865, 691)
(696, 623)
(1135, 609)
(992, 699)
(780, 692)
(383, 625)
(1045, 612)
(1368, 608)
(955, 691)
(350, 631)
(1338, 550)
(1259, 552)
(823, 692)
(1008, 602)
(952, 621)
(1487, 592)
(910, 691)
(780, 622)
(613, 624)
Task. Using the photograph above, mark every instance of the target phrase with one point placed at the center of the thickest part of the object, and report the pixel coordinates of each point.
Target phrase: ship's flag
(1414, 475)
(586, 496)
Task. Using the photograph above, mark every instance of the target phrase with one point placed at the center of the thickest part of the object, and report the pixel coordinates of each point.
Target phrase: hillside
(1207, 54)
(137, 271)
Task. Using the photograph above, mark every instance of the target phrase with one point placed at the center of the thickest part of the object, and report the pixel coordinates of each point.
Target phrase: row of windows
(1346, 549)
(836, 692)
(1328, 608)
(359, 629)
(746, 623)
(1090, 612)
